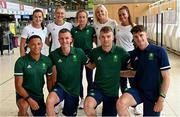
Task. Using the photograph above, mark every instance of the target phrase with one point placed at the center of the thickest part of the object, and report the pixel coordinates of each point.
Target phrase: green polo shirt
(83, 38)
(108, 67)
(68, 69)
(33, 73)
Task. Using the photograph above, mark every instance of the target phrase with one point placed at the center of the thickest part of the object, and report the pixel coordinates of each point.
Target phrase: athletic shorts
(109, 103)
(70, 102)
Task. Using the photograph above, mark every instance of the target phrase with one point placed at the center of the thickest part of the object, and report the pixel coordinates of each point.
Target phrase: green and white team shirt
(108, 67)
(68, 69)
(83, 38)
(33, 73)
(54, 29)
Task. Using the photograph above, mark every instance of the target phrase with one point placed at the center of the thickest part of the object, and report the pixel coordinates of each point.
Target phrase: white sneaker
(56, 108)
(59, 107)
(81, 104)
(137, 110)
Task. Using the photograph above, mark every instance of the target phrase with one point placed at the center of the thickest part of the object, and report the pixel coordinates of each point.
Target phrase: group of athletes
(120, 53)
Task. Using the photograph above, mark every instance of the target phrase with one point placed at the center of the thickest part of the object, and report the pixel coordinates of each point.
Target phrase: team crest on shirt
(76, 31)
(43, 66)
(99, 58)
(59, 61)
(29, 66)
(32, 32)
(54, 29)
(115, 58)
(87, 31)
(151, 56)
(74, 58)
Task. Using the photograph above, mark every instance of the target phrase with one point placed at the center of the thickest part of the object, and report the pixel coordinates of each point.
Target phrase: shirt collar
(32, 59)
(72, 51)
(83, 28)
(111, 51)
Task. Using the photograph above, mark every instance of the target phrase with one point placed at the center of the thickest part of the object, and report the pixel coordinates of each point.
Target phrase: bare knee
(121, 104)
(89, 106)
(51, 100)
(23, 107)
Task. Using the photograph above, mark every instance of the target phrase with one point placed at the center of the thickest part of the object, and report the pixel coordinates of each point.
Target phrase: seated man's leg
(130, 98)
(54, 97)
(109, 106)
(70, 105)
(42, 108)
(93, 99)
(148, 108)
(22, 105)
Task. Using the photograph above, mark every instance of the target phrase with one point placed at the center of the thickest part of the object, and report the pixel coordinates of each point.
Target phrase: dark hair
(38, 10)
(106, 29)
(32, 37)
(138, 28)
(127, 9)
(64, 30)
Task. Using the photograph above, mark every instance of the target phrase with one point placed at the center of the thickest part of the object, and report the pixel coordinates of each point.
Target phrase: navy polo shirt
(149, 63)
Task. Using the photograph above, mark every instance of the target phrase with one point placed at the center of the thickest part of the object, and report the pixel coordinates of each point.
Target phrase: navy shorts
(148, 104)
(42, 106)
(70, 102)
(109, 103)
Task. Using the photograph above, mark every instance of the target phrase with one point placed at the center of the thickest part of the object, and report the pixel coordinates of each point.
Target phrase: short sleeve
(18, 68)
(49, 69)
(84, 58)
(24, 33)
(125, 59)
(164, 61)
(51, 58)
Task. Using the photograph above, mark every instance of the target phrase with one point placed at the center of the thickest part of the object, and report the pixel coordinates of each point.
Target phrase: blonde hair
(59, 7)
(103, 7)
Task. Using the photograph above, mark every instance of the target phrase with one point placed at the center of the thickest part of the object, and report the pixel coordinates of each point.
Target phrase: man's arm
(48, 40)
(127, 73)
(19, 88)
(22, 92)
(22, 45)
(164, 88)
(49, 83)
(91, 65)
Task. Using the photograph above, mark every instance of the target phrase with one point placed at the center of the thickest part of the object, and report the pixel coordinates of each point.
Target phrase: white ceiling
(122, 1)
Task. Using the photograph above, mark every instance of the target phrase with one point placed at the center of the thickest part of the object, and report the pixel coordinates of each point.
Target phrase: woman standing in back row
(101, 15)
(35, 28)
(54, 28)
(124, 39)
(83, 36)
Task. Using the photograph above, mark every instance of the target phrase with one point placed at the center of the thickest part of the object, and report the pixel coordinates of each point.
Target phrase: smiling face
(37, 18)
(101, 13)
(35, 46)
(106, 39)
(65, 39)
(59, 14)
(140, 39)
(82, 18)
(123, 16)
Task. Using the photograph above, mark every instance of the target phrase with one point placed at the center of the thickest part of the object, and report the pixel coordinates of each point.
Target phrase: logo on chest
(29, 66)
(151, 56)
(74, 58)
(115, 58)
(43, 66)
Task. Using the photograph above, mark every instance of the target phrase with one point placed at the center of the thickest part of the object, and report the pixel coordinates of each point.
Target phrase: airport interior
(161, 18)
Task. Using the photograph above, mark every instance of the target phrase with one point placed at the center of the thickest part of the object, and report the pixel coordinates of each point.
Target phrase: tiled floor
(7, 90)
